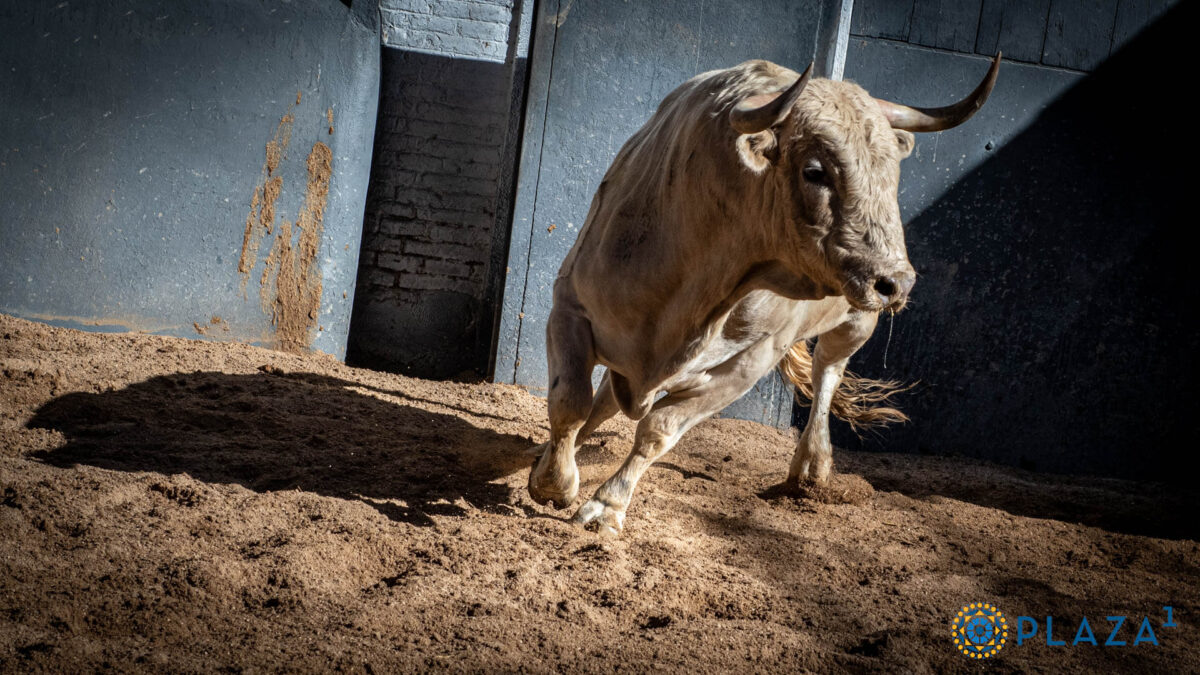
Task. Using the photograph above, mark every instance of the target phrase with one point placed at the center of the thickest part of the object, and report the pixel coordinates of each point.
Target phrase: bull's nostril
(886, 286)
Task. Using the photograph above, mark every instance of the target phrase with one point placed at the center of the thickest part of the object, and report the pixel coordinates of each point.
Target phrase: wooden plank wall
(1071, 34)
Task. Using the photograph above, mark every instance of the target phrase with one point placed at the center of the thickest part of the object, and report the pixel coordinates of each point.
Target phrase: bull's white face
(835, 164)
(843, 200)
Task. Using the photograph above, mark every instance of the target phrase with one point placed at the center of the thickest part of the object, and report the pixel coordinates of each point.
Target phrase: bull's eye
(814, 173)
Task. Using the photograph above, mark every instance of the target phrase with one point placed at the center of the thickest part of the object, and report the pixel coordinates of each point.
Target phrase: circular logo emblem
(979, 630)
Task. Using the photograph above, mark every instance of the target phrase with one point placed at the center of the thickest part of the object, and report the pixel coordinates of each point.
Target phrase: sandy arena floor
(184, 506)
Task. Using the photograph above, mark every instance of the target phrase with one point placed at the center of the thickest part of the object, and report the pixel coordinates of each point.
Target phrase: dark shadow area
(686, 473)
(1128, 507)
(286, 432)
(320, 380)
(1053, 322)
(427, 258)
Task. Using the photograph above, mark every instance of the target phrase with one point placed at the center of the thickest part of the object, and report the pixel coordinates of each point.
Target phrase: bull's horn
(756, 113)
(938, 119)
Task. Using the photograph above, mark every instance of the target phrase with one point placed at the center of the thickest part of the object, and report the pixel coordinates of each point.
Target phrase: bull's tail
(861, 402)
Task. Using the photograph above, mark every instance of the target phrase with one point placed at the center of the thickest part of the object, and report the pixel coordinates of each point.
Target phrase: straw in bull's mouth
(891, 322)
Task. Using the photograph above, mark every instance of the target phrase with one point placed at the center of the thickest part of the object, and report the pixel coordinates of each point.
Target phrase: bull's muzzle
(893, 289)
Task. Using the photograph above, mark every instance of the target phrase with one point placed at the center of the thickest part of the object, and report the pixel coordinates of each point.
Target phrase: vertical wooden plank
(541, 55)
(1135, 15)
(882, 18)
(520, 39)
(1080, 33)
(1015, 27)
(833, 38)
(946, 24)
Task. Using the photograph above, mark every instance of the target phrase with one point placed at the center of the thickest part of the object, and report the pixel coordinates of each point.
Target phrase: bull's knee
(569, 403)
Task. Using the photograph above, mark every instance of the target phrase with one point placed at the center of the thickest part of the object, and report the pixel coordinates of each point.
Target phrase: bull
(756, 209)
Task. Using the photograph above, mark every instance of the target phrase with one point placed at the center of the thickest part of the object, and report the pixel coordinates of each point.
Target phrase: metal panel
(1080, 33)
(1134, 15)
(1015, 27)
(945, 24)
(891, 19)
(599, 70)
(134, 138)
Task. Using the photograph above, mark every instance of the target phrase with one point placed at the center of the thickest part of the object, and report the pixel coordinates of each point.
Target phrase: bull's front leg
(668, 420)
(604, 406)
(656, 434)
(570, 356)
(814, 452)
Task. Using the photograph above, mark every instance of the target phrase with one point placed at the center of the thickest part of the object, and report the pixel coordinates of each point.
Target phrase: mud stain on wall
(296, 303)
(261, 219)
(108, 323)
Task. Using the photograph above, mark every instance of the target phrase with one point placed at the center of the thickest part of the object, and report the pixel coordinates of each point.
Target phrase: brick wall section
(433, 199)
(439, 162)
(476, 30)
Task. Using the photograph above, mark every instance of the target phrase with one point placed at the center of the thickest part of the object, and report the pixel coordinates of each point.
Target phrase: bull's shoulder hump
(766, 69)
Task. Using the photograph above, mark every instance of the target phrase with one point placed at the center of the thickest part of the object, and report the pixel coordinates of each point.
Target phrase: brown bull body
(756, 209)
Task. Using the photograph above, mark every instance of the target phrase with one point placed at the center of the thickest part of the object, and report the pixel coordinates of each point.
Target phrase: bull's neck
(724, 247)
(731, 239)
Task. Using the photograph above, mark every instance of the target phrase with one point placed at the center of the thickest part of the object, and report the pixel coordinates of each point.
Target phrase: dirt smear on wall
(296, 303)
(290, 283)
(261, 219)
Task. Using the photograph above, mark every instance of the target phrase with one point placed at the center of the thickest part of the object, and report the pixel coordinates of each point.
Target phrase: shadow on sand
(289, 431)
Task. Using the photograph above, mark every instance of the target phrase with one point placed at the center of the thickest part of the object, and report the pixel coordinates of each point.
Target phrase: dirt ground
(187, 506)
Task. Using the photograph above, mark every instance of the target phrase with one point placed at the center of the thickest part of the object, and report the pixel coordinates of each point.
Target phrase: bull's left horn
(757, 113)
(939, 119)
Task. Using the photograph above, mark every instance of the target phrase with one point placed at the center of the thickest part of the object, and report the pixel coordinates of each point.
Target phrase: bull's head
(833, 155)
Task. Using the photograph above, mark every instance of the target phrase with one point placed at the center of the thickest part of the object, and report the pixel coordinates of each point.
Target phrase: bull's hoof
(842, 488)
(810, 467)
(558, 503)
(596, 515)
(558, 498)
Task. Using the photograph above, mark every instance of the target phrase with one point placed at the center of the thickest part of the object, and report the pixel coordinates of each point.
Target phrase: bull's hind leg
(604, 406)
(667, 422)
(570, 356)
(814, 452)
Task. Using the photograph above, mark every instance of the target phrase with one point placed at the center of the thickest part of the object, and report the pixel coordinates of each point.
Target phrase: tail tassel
(861, 402)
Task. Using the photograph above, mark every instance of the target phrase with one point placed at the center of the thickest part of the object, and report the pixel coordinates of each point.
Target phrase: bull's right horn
(760, 112)
(940, 119)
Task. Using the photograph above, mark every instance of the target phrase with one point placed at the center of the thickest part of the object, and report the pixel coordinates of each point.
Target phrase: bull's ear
(758, 151)
(906, 141)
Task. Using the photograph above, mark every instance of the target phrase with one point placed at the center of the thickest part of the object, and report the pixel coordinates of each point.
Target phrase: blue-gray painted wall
(132, 141)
